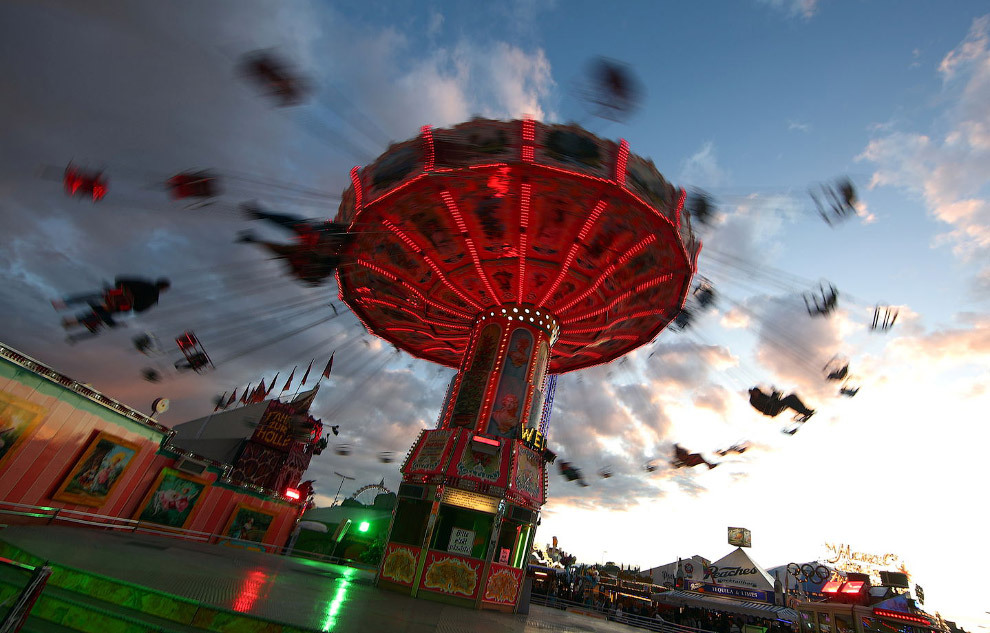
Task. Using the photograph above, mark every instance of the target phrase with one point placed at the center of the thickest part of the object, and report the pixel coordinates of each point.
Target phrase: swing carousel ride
(506, 250)
(510, 251)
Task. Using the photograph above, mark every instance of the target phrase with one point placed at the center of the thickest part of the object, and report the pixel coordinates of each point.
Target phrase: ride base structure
(469, 501)
(509, 250)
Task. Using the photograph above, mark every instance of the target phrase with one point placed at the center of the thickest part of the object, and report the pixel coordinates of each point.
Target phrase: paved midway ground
(296, 591)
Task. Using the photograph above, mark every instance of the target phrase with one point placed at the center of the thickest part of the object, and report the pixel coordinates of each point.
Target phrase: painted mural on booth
(511, 394)
(171, 500)
(430, 454)
(528, 476)
(247, 524)
(536, 408)
(454, 575)
(400, 563)
(479, 466)
(98, 471)
(18, 417)
(503, 585)
(472, 388)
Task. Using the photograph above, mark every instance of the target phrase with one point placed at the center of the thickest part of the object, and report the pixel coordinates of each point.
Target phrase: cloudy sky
(755, 101)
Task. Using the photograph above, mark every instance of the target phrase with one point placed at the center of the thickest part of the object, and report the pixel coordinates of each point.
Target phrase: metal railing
(638, 621)
(49, 515)
(168, 435)
(14, 618)
(335, 560)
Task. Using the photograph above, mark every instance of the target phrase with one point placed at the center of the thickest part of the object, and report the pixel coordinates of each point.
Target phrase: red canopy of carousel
(501, 214)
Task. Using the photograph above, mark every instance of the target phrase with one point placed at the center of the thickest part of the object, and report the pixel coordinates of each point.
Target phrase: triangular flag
(244, 396)
(232, 400)
(289, 381)
(220, 402)
(258, 395)
(304, 401)
(326, 371)
(306, 375)
(272, 386)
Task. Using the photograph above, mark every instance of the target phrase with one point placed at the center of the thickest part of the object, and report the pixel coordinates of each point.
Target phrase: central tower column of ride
(469, 502)
(499, 388)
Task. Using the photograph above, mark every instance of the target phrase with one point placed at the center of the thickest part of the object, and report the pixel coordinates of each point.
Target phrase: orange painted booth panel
(66, 451)
(61, 448)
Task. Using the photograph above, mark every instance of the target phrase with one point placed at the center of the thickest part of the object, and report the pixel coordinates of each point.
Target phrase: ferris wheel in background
(363, 489)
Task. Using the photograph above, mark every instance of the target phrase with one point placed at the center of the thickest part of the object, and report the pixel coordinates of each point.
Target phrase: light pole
(343, 478)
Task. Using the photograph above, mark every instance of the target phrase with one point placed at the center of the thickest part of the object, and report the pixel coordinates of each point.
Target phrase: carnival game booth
(544, 577)
(851, 608)
(733, 584)
(679, 573)
(618, 590)
(69, 454)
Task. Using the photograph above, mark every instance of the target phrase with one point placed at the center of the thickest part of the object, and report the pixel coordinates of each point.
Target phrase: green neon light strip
(520, 547)
(334, 607)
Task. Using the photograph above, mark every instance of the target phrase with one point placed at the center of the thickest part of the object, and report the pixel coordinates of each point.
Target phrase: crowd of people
(641, 612)
(720, 622)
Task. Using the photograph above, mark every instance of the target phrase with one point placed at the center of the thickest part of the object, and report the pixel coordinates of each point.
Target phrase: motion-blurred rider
(683, 457)
(128, 294)
(318, 248)
(774, 403)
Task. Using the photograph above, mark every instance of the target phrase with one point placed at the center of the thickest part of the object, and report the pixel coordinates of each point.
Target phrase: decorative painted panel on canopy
(492, 213)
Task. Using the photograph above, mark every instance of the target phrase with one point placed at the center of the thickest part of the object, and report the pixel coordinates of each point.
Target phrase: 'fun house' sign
(273, 428)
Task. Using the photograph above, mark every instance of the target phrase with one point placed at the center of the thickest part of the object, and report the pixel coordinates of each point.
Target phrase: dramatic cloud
(969, 343)
(746, 238)
(804, 9)
(972, 50)
(735, 319)
(147, 91)
(713, 397)
(702, 168)
(683, 365)
(616, 417)
(794, 345)
(947, 169)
